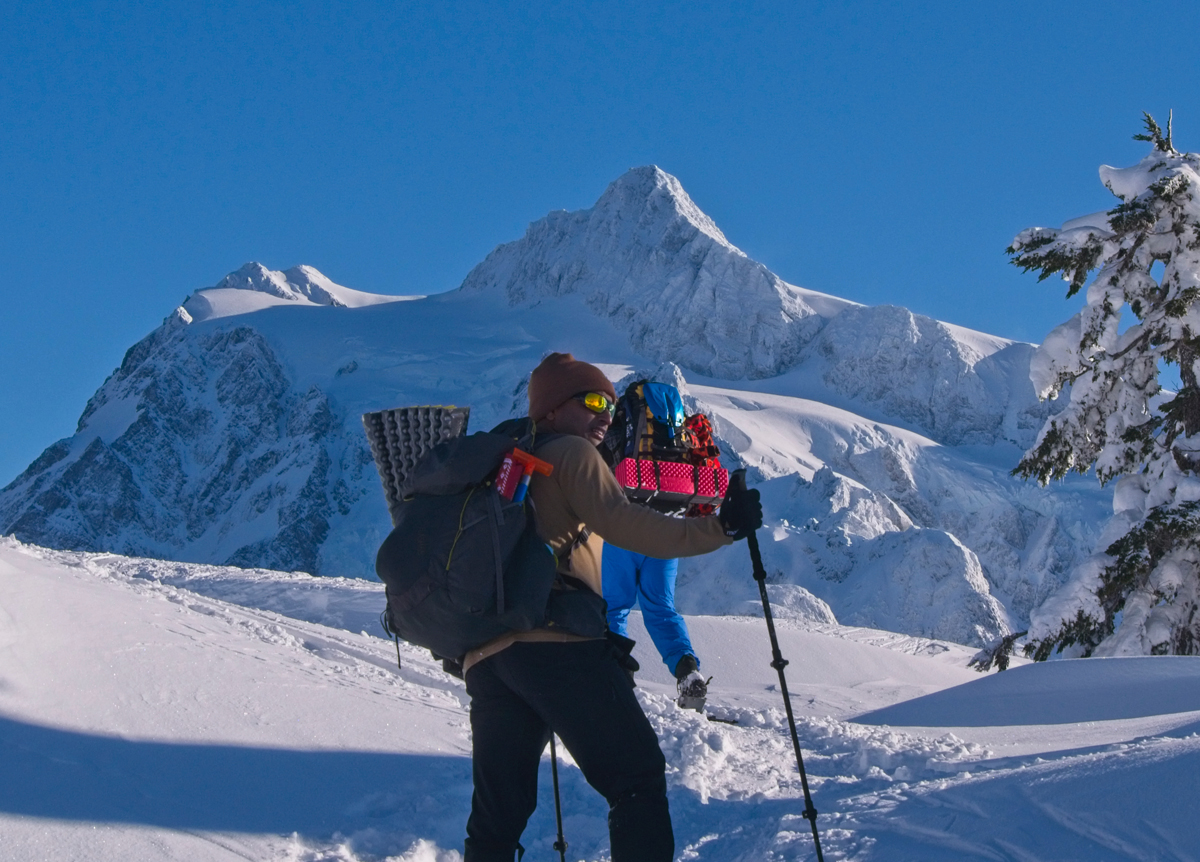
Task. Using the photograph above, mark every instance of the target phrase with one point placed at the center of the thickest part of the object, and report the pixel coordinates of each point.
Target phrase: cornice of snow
(255, 287)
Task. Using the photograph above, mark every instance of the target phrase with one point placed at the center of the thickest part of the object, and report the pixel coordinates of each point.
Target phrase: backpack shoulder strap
(524, 432)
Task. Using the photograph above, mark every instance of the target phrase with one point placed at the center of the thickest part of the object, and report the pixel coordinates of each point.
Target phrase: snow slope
(153, 710)
(881, 439)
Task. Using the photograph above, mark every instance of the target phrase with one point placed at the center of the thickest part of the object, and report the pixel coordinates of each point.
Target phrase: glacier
(881, 439)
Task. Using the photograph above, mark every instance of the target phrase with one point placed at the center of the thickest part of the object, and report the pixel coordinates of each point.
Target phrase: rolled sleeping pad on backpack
(402, 436)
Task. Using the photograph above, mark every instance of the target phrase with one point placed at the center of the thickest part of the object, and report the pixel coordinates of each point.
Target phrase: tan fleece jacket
(582, 492)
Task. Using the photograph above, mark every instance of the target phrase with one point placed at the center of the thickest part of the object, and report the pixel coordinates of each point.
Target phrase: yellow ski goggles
(597, 402)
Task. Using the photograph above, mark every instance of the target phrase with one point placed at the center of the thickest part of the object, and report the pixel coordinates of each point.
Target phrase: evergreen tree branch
(1154, 134)
(1146, 594)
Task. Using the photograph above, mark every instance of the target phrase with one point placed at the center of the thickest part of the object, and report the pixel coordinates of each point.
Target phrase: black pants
(578, 691)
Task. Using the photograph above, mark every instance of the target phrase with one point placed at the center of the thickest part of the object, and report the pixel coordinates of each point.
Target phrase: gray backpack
(463, 565)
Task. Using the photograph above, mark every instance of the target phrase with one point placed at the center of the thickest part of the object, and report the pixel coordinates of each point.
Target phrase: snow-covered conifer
(1140, 595)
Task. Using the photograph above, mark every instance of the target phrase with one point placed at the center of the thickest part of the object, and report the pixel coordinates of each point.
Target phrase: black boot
(692, 687)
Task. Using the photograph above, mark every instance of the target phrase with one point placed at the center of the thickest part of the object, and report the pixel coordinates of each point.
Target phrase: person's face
(571, 417)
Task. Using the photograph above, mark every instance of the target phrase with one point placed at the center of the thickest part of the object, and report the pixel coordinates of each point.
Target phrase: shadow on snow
(68, 775)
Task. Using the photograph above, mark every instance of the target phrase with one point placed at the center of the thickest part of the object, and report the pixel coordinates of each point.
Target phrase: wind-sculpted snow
(231, 434)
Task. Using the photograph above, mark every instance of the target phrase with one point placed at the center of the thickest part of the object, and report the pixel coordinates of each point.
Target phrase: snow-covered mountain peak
(255, 276)
(651, 199)
(254, 287)
(647, 258)
(300, 283)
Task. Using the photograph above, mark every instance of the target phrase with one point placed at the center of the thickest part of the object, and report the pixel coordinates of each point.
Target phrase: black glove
(741, 510)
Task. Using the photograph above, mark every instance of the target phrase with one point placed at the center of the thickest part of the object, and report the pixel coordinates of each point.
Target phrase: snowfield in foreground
(153, 710)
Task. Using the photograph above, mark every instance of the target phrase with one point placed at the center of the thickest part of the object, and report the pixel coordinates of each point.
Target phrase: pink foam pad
(672, 480)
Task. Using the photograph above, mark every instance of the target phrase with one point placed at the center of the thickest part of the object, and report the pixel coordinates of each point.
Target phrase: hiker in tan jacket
(526, 685)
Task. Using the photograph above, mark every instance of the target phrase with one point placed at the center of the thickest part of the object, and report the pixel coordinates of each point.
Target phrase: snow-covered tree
(1140, 594)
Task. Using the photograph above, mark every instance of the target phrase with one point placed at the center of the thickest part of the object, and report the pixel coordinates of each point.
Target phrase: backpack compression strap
(564, 558)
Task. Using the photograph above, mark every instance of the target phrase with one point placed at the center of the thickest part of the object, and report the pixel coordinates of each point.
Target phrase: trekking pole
(383, 621)
(738, 479)
(561, 844)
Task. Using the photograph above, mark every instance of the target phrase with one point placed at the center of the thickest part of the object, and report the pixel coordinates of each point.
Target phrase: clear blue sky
(885, 152)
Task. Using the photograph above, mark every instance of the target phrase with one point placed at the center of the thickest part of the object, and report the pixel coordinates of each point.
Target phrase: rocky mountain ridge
(231, 433)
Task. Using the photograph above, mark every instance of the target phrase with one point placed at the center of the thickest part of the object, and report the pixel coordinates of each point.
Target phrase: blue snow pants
(630, 578)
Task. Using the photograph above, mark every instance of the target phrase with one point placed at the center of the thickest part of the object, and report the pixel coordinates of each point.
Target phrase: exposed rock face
(218, 460)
